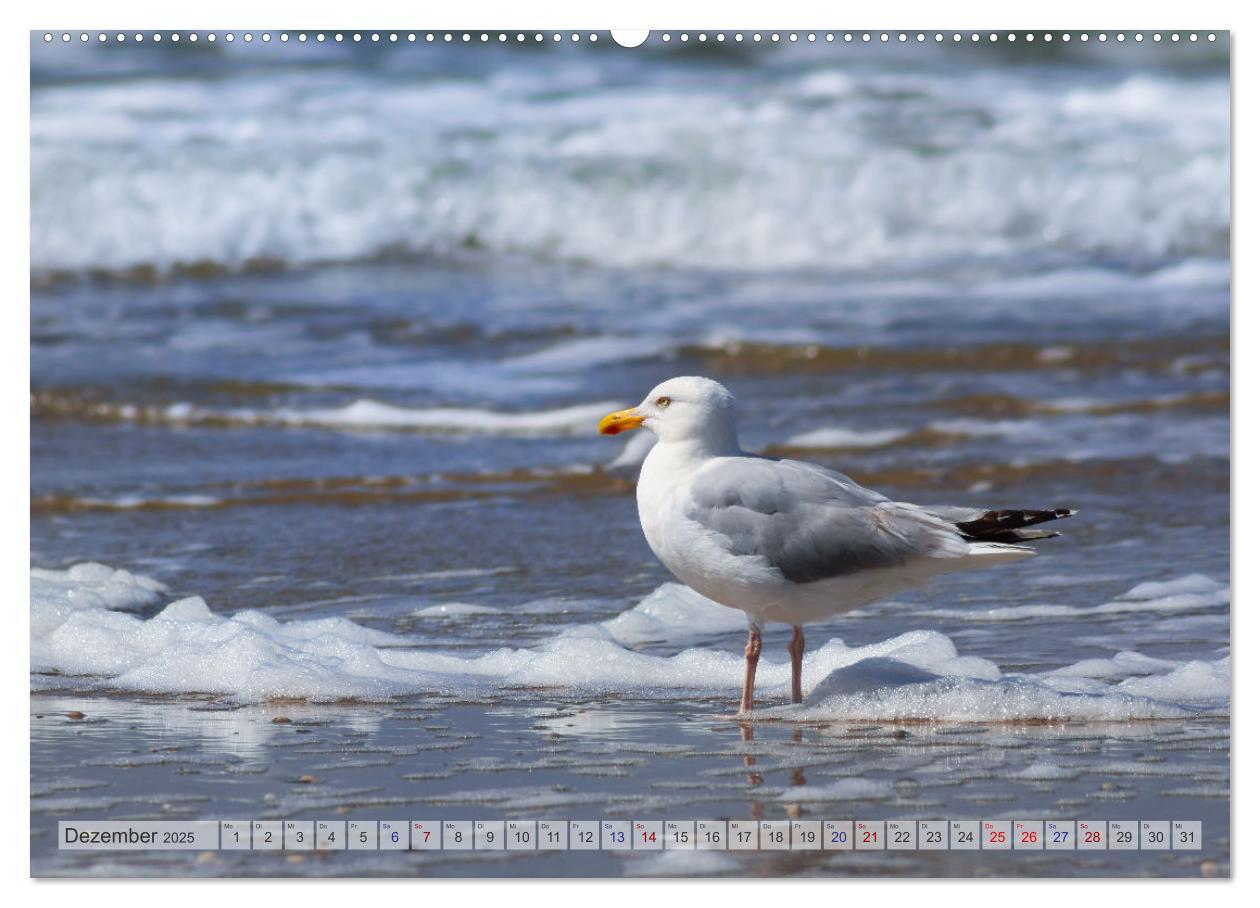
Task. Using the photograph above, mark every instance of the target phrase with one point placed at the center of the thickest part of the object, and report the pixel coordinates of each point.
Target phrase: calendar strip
(631, 835)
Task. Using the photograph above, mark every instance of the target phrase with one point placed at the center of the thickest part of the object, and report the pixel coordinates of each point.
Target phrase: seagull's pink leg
(797, 650)
(752, 652)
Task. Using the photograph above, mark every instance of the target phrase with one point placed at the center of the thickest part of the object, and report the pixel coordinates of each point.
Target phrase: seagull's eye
(663, 402)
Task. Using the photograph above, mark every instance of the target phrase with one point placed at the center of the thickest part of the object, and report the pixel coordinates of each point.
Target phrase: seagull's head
(689, 408)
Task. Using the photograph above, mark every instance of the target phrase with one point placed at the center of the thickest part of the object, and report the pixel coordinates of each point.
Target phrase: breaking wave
(790, 170)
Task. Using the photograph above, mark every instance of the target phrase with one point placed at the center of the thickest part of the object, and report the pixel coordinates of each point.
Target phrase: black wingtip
(1010, 525)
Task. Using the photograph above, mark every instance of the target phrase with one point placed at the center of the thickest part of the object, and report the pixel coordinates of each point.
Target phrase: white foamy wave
(372, 415)
(841, 790)
(55, 595)
(304, 171)
(846, 438)
(1158, 589)
(137, 502)
(187, 649)
(1076, 437)
(672, 613)
(1006, 613)
(1183, 594)
(589, 352)
(682, 864)
(455, 610)
(368, 414)
(876, 690)
(1197, 681)
(251, 657)
(1044, 772)
(1122, 665)
(1026, 430)
(1191, 593)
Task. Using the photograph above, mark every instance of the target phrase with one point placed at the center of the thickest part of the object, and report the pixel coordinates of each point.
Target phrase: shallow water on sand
(611, 759)
(398, 434)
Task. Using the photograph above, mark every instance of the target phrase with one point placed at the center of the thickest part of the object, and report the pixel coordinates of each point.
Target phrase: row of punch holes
(665, 37)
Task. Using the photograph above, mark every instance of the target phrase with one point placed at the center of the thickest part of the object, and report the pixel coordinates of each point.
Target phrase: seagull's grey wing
(811, 523)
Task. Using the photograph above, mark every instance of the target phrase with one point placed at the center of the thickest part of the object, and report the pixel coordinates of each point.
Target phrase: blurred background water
(324, 330)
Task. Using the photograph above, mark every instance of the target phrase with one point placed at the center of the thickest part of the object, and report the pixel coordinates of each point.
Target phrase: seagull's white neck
(671, 461)
(717, 441)
(670, 465)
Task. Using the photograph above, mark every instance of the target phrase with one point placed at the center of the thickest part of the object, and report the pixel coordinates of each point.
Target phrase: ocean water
(319, 337)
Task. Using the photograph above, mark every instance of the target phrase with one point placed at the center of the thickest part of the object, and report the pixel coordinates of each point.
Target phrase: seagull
(790, 541)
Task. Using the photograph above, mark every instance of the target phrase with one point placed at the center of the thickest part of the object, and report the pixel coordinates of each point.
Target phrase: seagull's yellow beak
(616, 423)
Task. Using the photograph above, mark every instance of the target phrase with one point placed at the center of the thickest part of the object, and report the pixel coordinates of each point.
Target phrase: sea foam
(78, 629)
(55, 595)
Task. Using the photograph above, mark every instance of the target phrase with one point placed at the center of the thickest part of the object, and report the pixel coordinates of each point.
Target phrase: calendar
(632, 835)
(467, 449)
